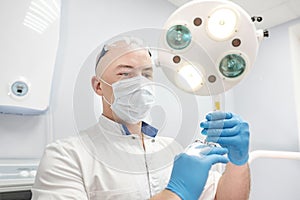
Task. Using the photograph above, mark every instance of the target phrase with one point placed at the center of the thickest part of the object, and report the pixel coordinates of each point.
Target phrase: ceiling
(274, 12)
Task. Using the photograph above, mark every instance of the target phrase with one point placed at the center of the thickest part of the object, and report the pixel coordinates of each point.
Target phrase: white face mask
(134, 98)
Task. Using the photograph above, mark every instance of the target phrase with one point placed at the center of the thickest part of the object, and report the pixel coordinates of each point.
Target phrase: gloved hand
(190, 170)
(231, 132)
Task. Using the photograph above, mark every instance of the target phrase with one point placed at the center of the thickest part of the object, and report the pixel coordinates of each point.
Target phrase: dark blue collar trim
(146, 128)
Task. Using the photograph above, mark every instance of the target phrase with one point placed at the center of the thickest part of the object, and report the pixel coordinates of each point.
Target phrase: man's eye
(125, 74)
(149, 76)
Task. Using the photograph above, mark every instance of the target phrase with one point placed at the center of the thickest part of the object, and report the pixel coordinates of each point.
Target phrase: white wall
(266, 99)
(294, 33)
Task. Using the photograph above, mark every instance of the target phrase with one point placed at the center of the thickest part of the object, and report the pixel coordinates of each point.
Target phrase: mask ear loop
(106, 100)
(101, 80)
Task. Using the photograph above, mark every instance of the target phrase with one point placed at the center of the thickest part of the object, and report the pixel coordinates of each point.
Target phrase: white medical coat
(103, 163)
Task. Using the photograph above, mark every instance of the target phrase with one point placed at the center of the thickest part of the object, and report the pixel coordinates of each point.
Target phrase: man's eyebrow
(148, 69)
(124, 66)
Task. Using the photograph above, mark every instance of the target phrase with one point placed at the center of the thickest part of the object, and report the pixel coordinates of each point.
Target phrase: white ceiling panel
(274, 12)
(259, 6)
(268, 16)
(294, 5)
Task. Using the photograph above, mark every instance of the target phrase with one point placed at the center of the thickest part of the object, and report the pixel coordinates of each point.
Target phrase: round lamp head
(189, 78)
(220, 40)
(232, 66)
(222, 23)
(178, 37)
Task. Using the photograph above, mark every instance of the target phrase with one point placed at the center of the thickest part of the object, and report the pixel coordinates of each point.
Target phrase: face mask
(134, 98)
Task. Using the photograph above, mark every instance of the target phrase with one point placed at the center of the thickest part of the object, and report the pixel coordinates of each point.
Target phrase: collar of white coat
(117, 128)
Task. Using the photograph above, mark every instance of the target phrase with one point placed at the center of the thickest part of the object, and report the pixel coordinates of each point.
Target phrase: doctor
(122, 157)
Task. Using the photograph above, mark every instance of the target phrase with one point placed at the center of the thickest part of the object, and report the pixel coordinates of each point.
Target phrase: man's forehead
(138, 58)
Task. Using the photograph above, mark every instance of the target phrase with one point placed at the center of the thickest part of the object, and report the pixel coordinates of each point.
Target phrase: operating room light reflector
(222, 24)
(232, 66)
(190, 78)
(179, 37)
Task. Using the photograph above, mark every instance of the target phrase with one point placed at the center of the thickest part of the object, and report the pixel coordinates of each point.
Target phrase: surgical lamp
(213, 45)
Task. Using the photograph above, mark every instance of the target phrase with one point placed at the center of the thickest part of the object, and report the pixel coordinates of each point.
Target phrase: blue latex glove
(190, 171)
(231, 132)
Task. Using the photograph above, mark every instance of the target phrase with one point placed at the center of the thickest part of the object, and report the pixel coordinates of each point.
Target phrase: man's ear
(96, 86)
